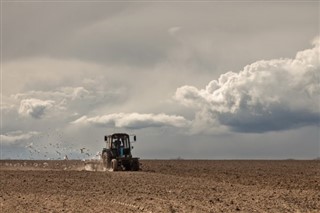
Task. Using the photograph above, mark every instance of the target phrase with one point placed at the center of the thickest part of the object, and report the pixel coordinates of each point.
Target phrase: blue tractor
(117, 154)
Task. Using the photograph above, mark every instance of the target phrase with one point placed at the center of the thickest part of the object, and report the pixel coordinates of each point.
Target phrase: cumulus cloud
(34, 107)
(134, 120)
(16, 136)
(268, 95)
(74, 92)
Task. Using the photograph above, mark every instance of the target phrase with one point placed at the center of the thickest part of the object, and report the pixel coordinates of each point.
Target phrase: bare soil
(161, 186)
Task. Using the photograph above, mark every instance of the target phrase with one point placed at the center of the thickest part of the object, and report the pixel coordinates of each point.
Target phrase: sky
(192, 79)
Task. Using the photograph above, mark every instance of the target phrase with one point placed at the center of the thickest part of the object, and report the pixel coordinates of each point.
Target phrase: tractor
(117, 154)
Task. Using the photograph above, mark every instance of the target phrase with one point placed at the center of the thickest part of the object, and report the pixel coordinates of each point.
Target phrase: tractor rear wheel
(135, 165)
(114, 165)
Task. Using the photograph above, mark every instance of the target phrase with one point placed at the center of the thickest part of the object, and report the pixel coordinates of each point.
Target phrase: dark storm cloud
(272, 95)
(45, 28)
(278, 120)
(141, 34)
(110, 34)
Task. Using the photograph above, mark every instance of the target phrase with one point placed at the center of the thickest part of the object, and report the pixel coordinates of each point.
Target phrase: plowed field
(162, 186)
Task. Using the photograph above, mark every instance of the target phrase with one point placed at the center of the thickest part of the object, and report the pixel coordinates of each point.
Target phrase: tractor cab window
(115, 144)
(118, 142)
(126, 144)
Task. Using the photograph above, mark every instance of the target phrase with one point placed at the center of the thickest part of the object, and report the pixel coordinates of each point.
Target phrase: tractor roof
(118, 134)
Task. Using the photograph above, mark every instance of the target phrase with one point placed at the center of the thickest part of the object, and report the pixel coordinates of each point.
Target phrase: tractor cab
(119, 144)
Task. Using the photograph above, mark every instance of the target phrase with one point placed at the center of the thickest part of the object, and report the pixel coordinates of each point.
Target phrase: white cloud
(34, 107)
(75, 92)
(16, 136)
(134, 120)
(265, 96)
(59, 93)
